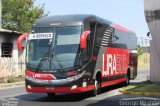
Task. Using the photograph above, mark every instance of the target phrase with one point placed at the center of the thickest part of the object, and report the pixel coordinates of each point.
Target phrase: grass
(144, 61)
(11, 79)
(146, 86)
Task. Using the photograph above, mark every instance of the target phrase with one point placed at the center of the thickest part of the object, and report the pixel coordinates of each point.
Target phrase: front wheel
(97, 88)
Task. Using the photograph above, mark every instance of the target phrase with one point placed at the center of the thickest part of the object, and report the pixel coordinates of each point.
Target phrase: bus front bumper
(74, 84)
(56, 89)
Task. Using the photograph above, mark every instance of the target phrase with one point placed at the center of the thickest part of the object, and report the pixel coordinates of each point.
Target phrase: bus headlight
(29, 87)
(73, 87)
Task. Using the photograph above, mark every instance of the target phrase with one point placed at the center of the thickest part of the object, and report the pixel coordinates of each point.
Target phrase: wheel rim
(127, 80)
(97, 86)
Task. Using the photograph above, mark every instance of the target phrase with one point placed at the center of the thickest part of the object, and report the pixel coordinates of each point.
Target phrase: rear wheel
(50, 94)
(127, 79)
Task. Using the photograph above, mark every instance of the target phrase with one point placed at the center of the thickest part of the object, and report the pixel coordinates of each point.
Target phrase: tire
(97, 88)
(127, 82)
(50, 94)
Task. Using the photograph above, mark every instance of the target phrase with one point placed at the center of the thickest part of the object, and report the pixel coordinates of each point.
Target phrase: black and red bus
(78, 53)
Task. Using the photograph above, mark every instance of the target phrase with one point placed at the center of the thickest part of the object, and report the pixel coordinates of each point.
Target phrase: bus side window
(91, 40)
(88, 51)
(103, 37)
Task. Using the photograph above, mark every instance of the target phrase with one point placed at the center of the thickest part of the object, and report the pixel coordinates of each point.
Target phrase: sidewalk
(10, 85)
(140, 85)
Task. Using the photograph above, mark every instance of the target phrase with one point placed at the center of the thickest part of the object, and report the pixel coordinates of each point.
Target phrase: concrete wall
(11, 66)
(154, 66)
(152, 14)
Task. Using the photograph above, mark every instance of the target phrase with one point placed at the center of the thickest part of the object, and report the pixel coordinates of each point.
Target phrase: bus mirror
(115, 38)
(83, 38)
(20, 39)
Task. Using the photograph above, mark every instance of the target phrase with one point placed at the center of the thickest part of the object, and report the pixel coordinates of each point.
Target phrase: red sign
(115, 62)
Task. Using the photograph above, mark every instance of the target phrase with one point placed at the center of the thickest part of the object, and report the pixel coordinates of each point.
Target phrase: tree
(139, 49)
(18, 15)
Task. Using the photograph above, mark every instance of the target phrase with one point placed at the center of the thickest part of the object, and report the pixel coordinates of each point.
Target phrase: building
(11, 61)
(146, 49)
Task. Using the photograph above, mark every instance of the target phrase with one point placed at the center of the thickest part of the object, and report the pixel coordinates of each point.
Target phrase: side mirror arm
(83, 38)
(20, 39)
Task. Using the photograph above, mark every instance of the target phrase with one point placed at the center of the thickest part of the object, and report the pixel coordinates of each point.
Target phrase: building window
(6, 49)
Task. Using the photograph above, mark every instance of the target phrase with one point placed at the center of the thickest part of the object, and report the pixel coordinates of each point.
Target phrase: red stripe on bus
(108, 83)
(117, 26)
(59, 89)
(42, 76)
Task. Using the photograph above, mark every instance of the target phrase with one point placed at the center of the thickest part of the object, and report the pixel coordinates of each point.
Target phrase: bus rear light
(73, 73)
(83, 38)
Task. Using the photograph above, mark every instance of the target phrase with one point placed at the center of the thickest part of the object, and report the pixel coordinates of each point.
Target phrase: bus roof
(73, 20)
(67, 20)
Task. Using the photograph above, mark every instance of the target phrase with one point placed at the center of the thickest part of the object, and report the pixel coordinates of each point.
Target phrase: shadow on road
(62, 97)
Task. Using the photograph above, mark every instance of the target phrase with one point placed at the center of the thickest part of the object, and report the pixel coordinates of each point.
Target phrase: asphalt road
(110, 96)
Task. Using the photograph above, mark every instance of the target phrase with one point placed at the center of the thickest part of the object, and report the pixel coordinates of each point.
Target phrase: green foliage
(18, 15)
(11, 79)
(140, 51)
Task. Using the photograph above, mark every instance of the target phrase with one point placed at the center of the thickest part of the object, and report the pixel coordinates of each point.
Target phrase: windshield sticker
(41, 36)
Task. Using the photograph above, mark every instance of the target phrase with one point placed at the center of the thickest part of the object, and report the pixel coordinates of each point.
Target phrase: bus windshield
(53, 48)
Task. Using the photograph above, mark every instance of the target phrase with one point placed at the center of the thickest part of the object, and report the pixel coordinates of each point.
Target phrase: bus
(77, 53)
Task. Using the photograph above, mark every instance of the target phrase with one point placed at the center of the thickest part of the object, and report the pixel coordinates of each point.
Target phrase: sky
(128, 13)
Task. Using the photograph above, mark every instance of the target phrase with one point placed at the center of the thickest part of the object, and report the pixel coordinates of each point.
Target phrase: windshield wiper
(44, 57)
(59, 64)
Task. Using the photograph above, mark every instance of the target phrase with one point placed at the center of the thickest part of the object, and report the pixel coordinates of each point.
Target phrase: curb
(140, 93)
(6, 85)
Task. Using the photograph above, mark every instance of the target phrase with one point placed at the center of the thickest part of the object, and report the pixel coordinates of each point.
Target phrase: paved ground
(110, 97)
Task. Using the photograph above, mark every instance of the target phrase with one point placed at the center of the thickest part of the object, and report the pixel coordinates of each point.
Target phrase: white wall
(154, 66)
(9, 66)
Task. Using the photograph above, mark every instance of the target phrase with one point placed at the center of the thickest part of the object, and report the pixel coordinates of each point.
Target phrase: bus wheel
(50, 94)
(96, 88)
(127, 79)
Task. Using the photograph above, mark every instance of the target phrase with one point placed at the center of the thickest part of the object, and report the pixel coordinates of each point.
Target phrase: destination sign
(41, 36)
